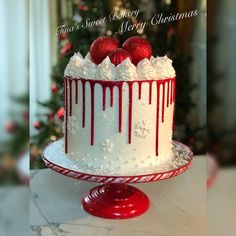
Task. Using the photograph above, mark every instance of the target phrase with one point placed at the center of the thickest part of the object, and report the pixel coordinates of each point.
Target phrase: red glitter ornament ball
(101, 48)
(10, 127)
(66, 49)
(139, 48)
(62, 36)
(37, 124)
(54, 88)
(119, 55)
(60, 113)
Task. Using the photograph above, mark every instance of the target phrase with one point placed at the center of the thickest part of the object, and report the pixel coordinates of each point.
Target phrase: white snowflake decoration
(107, 145)
(141, 129)
(72, 125)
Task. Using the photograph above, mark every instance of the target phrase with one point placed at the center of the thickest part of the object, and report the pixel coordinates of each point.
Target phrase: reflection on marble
(177, 207)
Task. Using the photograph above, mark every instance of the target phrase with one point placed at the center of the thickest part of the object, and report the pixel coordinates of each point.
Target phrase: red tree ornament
(37, 124)
(119, 55)
(66, 49)
(83, 8)
(10, 127)
(60, 113)
(101, 48)
(62, 36)
(139, 48)
(54, 88)
(171, 31)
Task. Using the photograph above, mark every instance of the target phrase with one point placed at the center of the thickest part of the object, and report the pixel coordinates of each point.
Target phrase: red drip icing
(130, 109)
(173, 96)
(171, 91)
(76, 91)
(83, 102)
(157, 117)
(66, 115)
(70, 87)
(103, 97)
(139, 89)
(150, 92)
(92, 84)
(174, 90)
(168, 93)
(120, 106)
(111, 86)
(163, 102)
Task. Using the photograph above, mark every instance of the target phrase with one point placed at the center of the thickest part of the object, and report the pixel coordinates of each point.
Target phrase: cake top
(133, 61)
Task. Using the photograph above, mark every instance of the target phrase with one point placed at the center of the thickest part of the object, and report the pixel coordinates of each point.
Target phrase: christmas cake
(119, 106)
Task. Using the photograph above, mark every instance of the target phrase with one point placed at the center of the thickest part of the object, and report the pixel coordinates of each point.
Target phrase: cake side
(121, 124)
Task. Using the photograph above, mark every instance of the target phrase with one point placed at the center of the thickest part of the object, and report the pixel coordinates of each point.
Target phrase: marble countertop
(14, 211)
(221, 204)
(177, 207)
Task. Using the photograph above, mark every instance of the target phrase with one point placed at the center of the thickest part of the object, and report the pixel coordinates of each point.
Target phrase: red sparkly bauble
(62, 36)
(54, 88)
(37, 124)
(83, 8)
(66, 49)
(139, 48)
(119, 55)
(60, 113)
(10, 127)
(101, 48)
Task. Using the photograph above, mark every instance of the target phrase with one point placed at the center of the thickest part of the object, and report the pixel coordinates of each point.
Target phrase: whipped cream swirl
(88, 56)
(152, 58)
(153, 69)
(73, 68)
(89, 68)
(106, 70)
(163, 67)
(145, 70)
(126, 70)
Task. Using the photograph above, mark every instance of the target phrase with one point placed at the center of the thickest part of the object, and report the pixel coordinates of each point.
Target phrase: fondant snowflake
(72, 125)
(141, 129)
(107, 145)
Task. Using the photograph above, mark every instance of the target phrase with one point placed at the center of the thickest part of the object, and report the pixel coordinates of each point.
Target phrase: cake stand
(114, 198)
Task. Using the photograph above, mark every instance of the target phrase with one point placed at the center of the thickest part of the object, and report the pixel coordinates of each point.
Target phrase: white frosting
(163, 67)
(153, 69)
(152, 59)
(126, 70)
(74, 68)
(88, 56)
(145, 70)
(55, 154)
(89, 68)
(106, 70)
(111, 149)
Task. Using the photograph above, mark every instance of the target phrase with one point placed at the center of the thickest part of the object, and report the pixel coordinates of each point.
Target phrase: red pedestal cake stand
(115, 199)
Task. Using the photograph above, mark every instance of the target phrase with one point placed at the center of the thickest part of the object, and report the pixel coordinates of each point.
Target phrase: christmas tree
(16, 144)
(164, 40)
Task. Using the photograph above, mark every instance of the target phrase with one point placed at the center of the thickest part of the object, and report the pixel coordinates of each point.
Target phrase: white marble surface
(221, 204)
(178, 207)
(14, 211)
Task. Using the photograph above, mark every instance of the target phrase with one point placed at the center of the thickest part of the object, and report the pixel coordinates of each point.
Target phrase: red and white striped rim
(120, 179)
